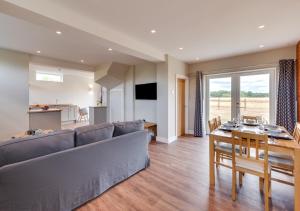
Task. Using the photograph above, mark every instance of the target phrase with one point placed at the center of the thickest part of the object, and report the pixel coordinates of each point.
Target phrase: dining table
(286, 145)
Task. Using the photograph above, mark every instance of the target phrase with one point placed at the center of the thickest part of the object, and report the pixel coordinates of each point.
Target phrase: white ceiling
(72, 45)
(206, 29)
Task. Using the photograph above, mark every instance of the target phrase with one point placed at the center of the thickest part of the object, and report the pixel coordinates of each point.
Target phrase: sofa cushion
(118, 131)
(93, 133)
(122, 128)
(21, 149)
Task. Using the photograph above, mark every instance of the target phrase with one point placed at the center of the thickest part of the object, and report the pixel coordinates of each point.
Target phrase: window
(46, 76)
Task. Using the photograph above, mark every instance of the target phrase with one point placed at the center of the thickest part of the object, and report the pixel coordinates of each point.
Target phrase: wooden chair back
(251, 140)
(212, 124)
(219, 121)
(224, 139)
(255, 118)
(296, 133)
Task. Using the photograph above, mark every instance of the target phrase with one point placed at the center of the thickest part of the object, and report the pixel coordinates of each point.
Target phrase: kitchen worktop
(44, 111)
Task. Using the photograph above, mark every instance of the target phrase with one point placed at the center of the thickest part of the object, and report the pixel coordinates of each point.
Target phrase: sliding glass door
(255, 96)
(220, 98)
(241, 93)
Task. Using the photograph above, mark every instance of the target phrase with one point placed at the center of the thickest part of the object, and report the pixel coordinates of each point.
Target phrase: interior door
(180, 107)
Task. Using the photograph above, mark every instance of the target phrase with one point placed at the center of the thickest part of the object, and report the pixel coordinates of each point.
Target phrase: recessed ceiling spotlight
(261, 27)
(58, 32)
(110, 49)
(153, 31)
(181, 48)
(38, 52)
(82, 61)
(261, 46)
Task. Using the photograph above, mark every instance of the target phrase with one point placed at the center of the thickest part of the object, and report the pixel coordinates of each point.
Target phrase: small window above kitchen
(47, 76)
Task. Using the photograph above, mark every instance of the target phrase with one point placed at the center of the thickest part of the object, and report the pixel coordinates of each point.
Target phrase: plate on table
(271, 127)
(254, 124)
(229, 126)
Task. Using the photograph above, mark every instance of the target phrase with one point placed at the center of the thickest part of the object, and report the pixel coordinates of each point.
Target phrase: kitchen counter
(44, 111)
(69, 112)
(45, 119)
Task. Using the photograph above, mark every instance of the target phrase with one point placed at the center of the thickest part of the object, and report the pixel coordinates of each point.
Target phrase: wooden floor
(178, 180)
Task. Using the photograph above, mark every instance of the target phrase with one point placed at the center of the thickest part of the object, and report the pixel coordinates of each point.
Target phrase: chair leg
(270, 187)
(261, 184)
(240, 179)
(218, 159)
(233, 194)
(266, 194)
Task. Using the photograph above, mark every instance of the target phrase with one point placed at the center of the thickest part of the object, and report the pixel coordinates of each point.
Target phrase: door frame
(186, 113)
(235, 90)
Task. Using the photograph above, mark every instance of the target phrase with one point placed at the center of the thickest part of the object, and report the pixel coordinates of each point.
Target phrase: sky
(254, 83)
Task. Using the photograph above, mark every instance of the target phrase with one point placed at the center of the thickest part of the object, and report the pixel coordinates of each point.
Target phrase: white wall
(162, 101)
(73, 90)
(14, 93)
(174, 67)
(166, 103)
(145, 109)
(237, 63)
(129, 94)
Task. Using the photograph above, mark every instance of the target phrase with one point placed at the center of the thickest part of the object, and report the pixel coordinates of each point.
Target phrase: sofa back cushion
(21, 149)
(122, 128)
(93, 133)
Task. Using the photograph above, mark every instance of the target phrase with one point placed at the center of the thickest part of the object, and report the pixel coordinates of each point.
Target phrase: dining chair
(296, 133)
(247, 163)
(212, 124)
(222, 149)
(219, 122)
(247, 117)
(83, 114)
(282, 163)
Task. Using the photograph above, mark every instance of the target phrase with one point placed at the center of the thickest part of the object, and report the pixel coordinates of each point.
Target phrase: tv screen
(146, 91)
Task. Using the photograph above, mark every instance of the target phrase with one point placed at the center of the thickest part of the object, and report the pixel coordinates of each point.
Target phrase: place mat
(228, 129)
(283, 136)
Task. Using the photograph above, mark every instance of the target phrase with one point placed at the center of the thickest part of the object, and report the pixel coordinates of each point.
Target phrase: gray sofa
(65, 169)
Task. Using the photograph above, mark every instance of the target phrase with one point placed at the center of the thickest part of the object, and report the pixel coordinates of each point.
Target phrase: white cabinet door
(65, 114)
(72, 113)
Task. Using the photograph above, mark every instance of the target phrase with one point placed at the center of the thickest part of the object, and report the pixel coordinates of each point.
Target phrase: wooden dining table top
(282, 143)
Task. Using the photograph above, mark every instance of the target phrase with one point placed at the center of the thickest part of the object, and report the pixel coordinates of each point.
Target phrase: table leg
(297, 179)
(211, 161)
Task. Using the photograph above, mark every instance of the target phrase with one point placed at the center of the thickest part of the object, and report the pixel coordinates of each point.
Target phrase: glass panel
(220, 98)
(255, 96)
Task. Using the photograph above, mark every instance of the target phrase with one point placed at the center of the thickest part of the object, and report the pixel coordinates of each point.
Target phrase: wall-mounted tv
(146, 91)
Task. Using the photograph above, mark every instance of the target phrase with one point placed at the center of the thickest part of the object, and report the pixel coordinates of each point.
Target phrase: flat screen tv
(146, 91)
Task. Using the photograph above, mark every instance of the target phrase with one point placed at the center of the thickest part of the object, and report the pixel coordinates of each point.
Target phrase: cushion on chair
(21, 149)
(279, 160)
(250, 164)
(226, 147)
(93, 133)
(122, 128)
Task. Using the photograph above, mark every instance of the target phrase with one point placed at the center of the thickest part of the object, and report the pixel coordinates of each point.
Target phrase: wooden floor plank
(178, 179)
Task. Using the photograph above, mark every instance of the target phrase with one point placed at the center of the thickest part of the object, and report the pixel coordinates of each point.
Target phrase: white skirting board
(190, 132)
(166, 140)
